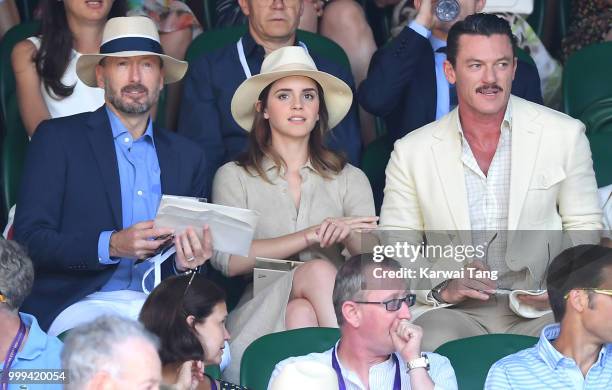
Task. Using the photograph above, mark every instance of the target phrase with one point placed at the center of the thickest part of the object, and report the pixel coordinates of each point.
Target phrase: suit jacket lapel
(103, 148)
(447, 157)
(526, 133)
(168, 162)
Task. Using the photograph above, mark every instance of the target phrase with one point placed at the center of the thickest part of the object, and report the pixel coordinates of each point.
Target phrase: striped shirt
(382, 375)
(543, 367)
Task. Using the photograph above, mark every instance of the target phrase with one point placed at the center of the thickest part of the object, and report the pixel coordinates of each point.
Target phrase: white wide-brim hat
(305, 375)
(129, 36)
(285, 62)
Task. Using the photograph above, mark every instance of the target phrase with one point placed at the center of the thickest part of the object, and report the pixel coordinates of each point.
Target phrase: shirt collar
(506, 122)
(436, 43)
(119, 129)
(36, 342)
(250, 46)
(389, 363)
(552, 357)
(267, 164)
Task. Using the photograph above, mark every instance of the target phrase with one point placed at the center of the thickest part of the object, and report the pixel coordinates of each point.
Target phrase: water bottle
(447, 10)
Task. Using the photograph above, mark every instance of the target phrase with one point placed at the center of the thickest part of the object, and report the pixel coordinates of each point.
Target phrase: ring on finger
(192, 258)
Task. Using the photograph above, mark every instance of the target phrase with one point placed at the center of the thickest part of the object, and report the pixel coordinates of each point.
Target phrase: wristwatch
(436, 292)
(422, 362)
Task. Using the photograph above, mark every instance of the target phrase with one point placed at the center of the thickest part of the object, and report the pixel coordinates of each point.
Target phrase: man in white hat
(213, 78)
(379, 347)
(92, 183)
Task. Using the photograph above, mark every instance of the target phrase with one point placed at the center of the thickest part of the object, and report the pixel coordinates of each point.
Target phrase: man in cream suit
(504, 175)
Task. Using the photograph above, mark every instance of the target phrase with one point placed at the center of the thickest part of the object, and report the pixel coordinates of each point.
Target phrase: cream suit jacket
(552, 185)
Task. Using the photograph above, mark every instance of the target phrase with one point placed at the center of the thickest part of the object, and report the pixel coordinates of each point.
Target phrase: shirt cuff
(104, 248)
(420, 29)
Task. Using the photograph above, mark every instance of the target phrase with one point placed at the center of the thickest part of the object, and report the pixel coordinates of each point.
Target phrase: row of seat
(587, 91)
(470, 357)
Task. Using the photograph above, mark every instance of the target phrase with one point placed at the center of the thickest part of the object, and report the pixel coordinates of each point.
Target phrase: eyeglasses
(595, 290)
(394, 304)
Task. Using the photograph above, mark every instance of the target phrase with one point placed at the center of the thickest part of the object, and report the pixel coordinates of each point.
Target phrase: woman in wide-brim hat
(312, 203)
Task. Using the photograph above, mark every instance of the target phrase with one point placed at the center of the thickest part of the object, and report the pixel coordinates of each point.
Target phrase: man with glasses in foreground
(576, 353)
(379, 347)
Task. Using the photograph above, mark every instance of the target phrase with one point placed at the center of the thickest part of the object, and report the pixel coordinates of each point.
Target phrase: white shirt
(489, 198)
(382, 375)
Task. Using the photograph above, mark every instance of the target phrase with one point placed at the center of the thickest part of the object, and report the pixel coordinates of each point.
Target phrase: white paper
(231, 228)
(523, 7)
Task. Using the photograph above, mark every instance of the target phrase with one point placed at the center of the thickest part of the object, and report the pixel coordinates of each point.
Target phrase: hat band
(131, 44)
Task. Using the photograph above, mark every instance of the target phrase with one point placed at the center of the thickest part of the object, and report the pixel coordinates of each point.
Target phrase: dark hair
(56, 46)
(351, 279)
(165, 313)
(579, 267)
(477, 24)
(322, 159)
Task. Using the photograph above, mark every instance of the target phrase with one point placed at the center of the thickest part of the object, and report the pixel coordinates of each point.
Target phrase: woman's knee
(315, 270)
(344, 14)
(300, 314)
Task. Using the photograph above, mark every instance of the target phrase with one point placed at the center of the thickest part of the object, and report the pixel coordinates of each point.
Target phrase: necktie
(452, 92)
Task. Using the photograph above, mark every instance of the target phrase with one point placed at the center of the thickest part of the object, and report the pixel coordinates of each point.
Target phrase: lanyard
(397, 382)
(243, 61)
(12, 354)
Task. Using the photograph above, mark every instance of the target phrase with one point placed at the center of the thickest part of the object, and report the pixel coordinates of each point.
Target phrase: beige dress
(346, 194)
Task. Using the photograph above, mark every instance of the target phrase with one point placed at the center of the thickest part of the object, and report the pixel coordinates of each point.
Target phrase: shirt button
(139, 193)
(126, 140)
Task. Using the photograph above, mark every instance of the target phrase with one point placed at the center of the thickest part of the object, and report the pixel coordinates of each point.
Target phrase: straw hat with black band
(285, 62)
(129, 36)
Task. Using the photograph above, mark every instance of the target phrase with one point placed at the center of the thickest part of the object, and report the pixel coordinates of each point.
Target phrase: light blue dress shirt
(139, 176)
(40, 352)
(442, 95)
(543, 367)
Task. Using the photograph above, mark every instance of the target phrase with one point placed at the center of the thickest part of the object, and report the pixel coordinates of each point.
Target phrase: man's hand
(539, 302)
(138, 241)
(406, 338)
(191, 252)
(425, 16)
(458, 290)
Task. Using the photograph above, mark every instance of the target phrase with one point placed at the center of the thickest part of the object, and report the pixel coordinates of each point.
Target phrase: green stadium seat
(601, 150)
(598, 116)
(472, 357)
(15, 140)
(263, 354)
(587, 78)
(216, 39)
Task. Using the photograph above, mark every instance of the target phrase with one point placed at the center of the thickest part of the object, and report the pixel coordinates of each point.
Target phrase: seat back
(601, 147)
(472, 357)
(587, 78)
(260, 358)
(216, 39)
(15, 140)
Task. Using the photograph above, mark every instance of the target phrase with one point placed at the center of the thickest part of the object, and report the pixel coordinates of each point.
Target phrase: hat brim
(338, 95)
(174, 70)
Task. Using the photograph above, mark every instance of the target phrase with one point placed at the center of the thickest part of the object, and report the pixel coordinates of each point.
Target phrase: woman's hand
(190, 375)
(338, 230)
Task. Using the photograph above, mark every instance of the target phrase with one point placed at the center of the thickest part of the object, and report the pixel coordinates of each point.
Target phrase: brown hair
(165, 313)
(323, 160)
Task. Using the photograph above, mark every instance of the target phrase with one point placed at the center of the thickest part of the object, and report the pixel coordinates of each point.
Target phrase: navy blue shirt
(206, 116)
